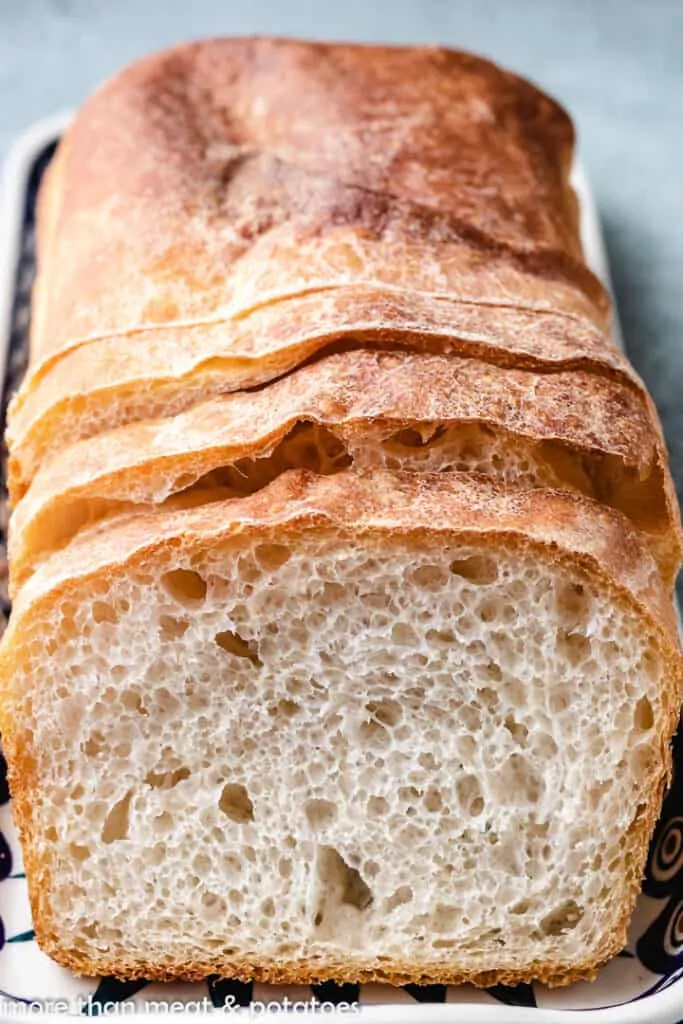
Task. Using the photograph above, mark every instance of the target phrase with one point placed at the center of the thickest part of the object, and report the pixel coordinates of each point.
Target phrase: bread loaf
(343, 537)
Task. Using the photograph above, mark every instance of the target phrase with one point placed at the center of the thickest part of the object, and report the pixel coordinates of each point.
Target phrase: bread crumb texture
(361, 753)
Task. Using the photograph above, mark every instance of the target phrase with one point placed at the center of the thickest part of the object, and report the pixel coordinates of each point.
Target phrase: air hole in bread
(214, 906)
(409, 793)
(132, 701)
(470, 799)
(235, 644)
(562, 919)
(172, 628)
(521, 907)
(470, 716)
(573, 604)
(440, 637)
(79, 853)
(429, 577)
(377, 806)
(320, 813)
(488, 699)
(374, 734)
(404, 634)
(94, 745)
(201, 863)
(559, 700)
(235, 803)
(284, 709)
(371, 869)
(641, 759)
(433, 800)
(477, 569)
(116, 823)
(445, 918)
(410, 438)
(522, 782)
(491, 610)
(272, 556)
(643, 716)
(341, 891)
(399, 898)
(163, 823)
(574, 647)
(167, 780)
(183, 481)
(102, 611)
(517, 730)
(544, 746)
(306, 446)
(388, 712)
(597, 792)
(185, 586)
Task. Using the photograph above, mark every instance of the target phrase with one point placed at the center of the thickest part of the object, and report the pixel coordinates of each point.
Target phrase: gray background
(616, 64)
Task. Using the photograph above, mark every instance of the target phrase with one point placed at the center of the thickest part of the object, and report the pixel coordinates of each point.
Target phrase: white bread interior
(286, 726)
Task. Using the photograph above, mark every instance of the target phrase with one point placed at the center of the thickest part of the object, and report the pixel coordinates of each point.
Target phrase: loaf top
(230, 173)
(224, 211)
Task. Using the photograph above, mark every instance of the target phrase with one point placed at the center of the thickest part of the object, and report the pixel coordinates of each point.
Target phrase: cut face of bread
(429, 414)
(343, 729)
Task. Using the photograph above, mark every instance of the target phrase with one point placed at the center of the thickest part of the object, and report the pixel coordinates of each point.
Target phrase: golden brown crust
(304, 973)
(119, 380)
(558, 527)
(603, 427)
(217, 158)
(199, 213)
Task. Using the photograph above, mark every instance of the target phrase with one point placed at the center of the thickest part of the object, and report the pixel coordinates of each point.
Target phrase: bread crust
(140, 375)
(215, 159)
(198, 214)
(559, 527)
(363, 395)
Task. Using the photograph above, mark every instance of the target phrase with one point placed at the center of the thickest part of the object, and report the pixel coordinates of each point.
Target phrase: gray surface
(616, 64)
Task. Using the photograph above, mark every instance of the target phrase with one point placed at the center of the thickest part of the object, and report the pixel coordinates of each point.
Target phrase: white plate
(657, 930)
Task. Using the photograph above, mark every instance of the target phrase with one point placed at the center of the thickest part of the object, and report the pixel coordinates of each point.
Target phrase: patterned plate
(643, 984)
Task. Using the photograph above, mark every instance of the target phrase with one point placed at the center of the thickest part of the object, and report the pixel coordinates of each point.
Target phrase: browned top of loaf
(217, 177)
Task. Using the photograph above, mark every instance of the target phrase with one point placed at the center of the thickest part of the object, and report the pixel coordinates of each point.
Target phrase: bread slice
(200, 232)
(161, 371)
(392, 728)
(414, 412)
